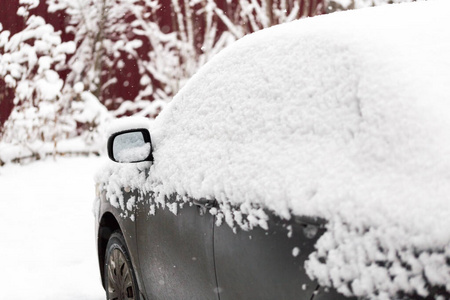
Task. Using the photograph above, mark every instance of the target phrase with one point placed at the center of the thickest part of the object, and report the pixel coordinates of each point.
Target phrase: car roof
(324, 106)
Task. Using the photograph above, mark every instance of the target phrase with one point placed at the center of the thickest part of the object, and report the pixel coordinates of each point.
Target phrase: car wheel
(120, 281)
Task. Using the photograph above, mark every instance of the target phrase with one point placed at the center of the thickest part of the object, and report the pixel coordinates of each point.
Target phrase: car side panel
(260, 264)
(176, 253)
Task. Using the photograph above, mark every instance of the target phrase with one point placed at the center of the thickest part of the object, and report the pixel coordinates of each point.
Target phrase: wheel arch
(108, 225)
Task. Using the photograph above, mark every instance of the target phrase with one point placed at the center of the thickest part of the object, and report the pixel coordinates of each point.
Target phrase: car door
(176, 250)
(265, 264)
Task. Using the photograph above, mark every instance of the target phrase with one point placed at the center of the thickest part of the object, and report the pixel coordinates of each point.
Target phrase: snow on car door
(176, 251)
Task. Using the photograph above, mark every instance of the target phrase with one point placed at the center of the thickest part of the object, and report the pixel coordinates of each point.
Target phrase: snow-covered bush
(110, 34)
(42, 116)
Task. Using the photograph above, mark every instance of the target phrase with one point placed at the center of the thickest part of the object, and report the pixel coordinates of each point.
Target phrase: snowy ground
(47, 230)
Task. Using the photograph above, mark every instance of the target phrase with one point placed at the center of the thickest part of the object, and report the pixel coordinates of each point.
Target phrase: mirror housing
(130, 146)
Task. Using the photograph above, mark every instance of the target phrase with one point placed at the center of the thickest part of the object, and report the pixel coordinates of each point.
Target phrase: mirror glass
(130, 147)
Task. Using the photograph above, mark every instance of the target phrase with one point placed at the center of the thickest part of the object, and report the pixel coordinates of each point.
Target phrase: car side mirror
(130, 146)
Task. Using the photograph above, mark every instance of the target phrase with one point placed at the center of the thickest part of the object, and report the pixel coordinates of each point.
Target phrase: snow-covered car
(310, 160)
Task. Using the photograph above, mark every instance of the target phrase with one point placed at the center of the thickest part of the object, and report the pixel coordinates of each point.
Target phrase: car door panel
(265, 264)
(176, 252)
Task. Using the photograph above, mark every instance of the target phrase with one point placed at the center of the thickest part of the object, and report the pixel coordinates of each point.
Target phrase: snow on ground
(48, 248)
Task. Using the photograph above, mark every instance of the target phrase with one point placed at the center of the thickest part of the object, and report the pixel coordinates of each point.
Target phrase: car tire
(120, 281)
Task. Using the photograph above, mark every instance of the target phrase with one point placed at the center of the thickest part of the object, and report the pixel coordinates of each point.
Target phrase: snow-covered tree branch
(29, 63)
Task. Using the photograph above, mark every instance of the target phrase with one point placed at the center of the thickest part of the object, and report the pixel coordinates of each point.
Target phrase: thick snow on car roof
(344, 116)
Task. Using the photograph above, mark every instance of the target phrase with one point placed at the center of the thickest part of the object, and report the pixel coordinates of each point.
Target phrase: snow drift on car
(344, 117)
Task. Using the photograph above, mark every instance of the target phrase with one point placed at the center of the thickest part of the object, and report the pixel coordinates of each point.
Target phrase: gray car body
(254, 264)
